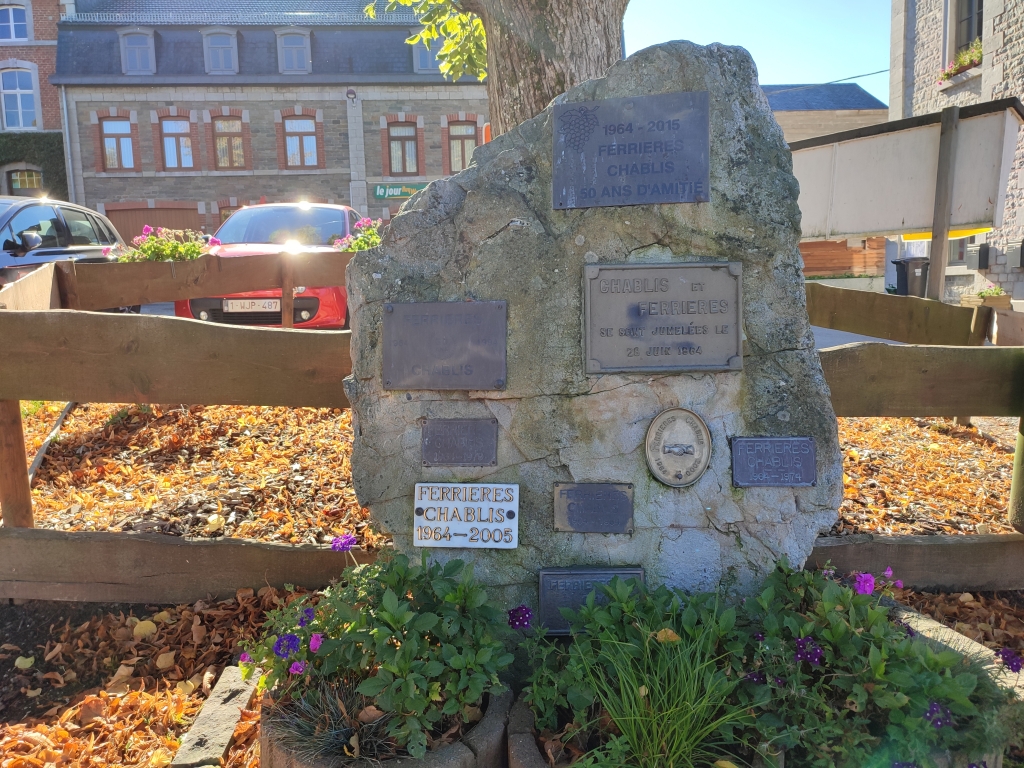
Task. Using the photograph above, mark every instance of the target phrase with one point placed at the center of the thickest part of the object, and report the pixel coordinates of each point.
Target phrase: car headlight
(204, 315)
(304, 314)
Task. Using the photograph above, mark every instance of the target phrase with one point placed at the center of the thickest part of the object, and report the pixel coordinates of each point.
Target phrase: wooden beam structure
(36, 290)
(878, 379)
(15, 490)
(91, 286)
(907, 319)
(943, 203)
(114, 358)
(41, 564)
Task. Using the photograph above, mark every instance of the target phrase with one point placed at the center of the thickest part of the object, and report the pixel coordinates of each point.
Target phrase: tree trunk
(537, 49)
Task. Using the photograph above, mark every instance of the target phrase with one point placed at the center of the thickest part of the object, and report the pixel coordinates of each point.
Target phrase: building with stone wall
(179, 113)
(31, 145)
(807, 111)
(926, 35)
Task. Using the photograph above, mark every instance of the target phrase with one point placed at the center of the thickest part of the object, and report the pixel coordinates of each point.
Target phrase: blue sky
(792, 41)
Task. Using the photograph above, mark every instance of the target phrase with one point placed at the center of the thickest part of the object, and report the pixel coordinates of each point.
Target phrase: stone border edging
(210, 736)
(522, 747)
(482, 747)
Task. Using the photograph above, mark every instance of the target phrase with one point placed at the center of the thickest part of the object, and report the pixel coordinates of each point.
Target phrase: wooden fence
(55, 354)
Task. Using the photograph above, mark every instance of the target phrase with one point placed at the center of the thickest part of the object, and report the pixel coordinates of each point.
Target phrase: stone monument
(580, 324)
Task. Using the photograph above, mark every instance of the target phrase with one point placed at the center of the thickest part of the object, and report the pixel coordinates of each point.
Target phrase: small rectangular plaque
(789, 462)
(594, 507)
(459, 442)
(634, 151)
(569, 587)
(466, 515)
(663, 317)
(445, 345)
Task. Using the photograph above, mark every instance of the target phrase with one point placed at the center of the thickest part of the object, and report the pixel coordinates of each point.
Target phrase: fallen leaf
(966, 597)
(214, 523)
(161, 758)
(471, 714)
(666, 635)
(9, 647)
(33, 692)
(144, 630)
(161, 617)
(165, 660)
(24, 662)
(369, 714)
(186, 686)
(724, 764)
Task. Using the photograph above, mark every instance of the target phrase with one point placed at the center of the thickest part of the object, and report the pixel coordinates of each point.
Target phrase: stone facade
(490, 233)
(922, 34)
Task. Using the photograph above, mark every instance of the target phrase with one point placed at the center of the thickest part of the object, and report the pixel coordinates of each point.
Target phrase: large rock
(490, 233)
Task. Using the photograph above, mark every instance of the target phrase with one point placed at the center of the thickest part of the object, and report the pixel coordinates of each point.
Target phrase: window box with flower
(966, 59)
(990, 296)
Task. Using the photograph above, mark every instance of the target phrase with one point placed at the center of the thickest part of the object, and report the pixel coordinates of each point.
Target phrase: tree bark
(538, 49)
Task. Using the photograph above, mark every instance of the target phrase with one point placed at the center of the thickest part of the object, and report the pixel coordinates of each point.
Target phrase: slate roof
(234, 12)
(796, 98)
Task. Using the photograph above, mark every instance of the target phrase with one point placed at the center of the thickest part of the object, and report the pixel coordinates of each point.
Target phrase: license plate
(252, 305)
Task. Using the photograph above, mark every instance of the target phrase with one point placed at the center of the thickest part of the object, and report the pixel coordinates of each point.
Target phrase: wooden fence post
(15, 491)
(287, 291)
(943, 204)
(1015, 509)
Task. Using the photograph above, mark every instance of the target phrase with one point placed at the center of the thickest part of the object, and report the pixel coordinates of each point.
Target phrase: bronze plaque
(459, 442)
(781, 462)
(663, 317)
(594, 507)
(445, 345)
(638, 150)
(678, 447)
(569, 587)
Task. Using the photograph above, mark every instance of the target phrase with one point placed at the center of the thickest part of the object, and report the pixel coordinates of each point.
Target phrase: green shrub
(421, 642)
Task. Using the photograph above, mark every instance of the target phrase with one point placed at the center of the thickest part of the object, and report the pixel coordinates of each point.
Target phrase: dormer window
(13, 23)
(221, 51)
(425, 59)
(293, 54)
(137, 54)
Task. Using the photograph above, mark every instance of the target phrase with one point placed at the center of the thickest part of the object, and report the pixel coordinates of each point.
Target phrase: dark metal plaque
(594, 507)
(663, 317)
(634, 151)
(782, 462)
(445, 345)
(460, 442)
(569, 587)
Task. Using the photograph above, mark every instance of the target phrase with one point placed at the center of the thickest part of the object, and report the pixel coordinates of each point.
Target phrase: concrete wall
(921, 31)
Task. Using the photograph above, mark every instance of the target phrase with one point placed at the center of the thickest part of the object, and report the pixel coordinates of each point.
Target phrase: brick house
(179, 113)
(31, 143)
(926, 36)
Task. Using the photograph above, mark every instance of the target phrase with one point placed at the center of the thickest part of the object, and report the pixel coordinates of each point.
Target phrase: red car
(271, 228)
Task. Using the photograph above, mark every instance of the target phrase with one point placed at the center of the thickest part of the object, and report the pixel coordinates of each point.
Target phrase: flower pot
(482, 747)
(996, 302)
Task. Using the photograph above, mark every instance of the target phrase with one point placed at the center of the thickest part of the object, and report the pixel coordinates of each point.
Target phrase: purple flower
(315, 641)
(759, 636)
(898, 583)
(343, 543)
(1012, 659)
(888, 572)
(809, 651)
(864, 583)
(982, 764)
(306, 617)
(906, 628)
(520, 617)
(147, 230)
(245, 658)
(780, 682)
(286, 645)
(828, 572)
(756, 677)
(938, 715)
(297, 667)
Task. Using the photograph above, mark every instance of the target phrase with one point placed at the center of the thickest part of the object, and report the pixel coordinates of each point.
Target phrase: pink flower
(315, 641)
(364, 222)
(107, 250)
(864, 583)
(297, 667)
(213, 241)
(245, 658)
(147, 230)
(888, 572)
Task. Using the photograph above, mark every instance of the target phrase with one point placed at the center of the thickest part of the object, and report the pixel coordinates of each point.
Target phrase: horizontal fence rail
(99, 286)
(898, 318)
(114, 358)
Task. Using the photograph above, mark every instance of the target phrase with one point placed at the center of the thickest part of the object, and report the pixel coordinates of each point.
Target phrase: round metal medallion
(678, 447)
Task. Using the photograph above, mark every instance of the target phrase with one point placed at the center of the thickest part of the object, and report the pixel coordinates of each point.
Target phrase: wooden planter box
(482, 747)
(997, 302)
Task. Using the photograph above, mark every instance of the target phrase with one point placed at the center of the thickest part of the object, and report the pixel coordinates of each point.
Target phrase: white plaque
(466, 515)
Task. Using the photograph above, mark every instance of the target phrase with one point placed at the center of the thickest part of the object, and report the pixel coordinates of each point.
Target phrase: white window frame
(33, 70)
(422, 48)
(233, 35)
(302, 32)
(147, 32)
(27, 5)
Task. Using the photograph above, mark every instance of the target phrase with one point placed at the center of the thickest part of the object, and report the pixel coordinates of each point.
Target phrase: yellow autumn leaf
(642, 690)
(144, 630)
(24, 662)
(209, 480)
(666, 635)
(161, 617)
(724, 764)
(186, 686)
(165, 660)
(161, 758)
(214, 523)
(33, 692)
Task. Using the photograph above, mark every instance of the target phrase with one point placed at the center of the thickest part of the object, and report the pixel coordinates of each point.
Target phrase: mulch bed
(269, 474)
(117, 685)
(924, 476)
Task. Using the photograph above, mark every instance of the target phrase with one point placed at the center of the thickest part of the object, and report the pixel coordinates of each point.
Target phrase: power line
(830, 82)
